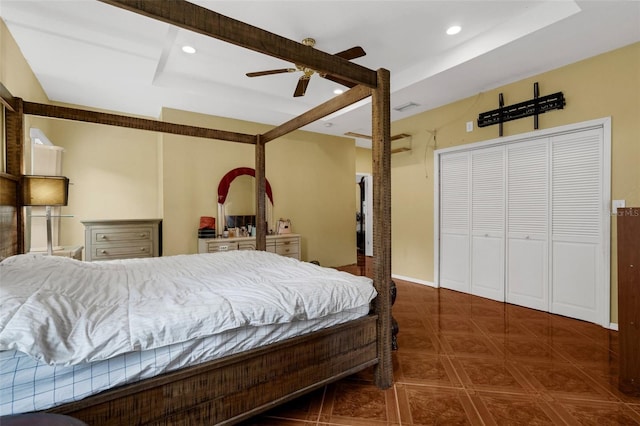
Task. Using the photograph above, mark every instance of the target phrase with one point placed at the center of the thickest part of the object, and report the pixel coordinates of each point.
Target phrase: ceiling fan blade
(339, 80)
(354, 52)
(301, 87)
(269, 72)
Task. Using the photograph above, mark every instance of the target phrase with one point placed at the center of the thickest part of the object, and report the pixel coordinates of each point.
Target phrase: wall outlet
(615, 204)
(469, 126)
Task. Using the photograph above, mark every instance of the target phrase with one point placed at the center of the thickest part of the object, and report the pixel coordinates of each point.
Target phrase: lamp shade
(45, 190)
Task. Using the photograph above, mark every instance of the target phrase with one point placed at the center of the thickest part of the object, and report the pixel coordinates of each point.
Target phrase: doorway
(364, 214)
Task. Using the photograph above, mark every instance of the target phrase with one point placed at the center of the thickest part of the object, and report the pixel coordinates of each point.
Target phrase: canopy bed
(236, 386)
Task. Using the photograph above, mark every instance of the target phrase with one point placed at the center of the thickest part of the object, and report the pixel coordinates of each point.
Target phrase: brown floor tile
(431, 405)
(349, 403)
(597, 413)
(518, 349)
(418, 339)
(562, 380)
(459, 344)
(429, 369)
(586, 352)
(490, 374)
(501, 326)
(466, 360)
(507, 409)
(452, 324)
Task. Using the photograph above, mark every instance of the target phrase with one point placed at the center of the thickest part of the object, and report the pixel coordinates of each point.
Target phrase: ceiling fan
(303, 81)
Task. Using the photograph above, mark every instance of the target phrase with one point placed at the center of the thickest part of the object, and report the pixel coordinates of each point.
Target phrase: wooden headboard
(11, 233)
(8, 215)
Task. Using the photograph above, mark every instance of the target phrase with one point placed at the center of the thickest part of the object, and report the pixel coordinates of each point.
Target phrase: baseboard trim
(413, 280)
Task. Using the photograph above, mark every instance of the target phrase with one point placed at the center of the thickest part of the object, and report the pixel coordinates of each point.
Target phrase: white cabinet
(576, 217)
(454, 222)
(487, 222)
(286, 245)
(526, 221)
(527, 224)
(122, 239)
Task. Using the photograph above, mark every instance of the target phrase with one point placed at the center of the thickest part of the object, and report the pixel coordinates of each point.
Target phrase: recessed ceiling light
(455, 29)
(338, 91)
(188, 49)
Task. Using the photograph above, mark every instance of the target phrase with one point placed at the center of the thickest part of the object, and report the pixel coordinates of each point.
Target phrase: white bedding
(64, 312)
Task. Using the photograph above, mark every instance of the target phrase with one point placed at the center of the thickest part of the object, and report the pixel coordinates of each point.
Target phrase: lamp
(45, 191)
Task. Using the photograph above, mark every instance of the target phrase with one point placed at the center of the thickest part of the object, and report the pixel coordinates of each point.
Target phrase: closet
(525, 220)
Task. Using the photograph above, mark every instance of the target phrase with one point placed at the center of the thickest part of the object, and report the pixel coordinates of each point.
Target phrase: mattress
(28, 385)
(69, 329)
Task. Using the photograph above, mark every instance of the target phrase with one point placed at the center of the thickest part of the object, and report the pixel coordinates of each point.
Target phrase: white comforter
(64, 312)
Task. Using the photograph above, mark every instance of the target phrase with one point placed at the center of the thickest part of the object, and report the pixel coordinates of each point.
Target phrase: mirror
(241, 199)
(237, 200)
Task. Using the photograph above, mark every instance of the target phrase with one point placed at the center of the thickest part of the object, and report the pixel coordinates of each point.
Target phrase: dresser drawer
(114, 251)
(115, 235)
(247, 245)
(217, 246)
(288, 247)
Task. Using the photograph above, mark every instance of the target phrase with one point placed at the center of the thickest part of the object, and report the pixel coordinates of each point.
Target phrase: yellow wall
(119, 173)
(311, 176)
(602, 86)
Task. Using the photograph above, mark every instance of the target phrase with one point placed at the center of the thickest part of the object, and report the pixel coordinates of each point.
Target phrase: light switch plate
(469, 126)
(615, 204)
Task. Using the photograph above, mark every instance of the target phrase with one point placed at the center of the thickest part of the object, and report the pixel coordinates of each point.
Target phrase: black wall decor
(533, 107)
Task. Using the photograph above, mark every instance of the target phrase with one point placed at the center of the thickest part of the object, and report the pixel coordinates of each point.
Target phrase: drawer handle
(103, 237)
(103, 252)
(142, 249)
(142, 235)
(286, 242)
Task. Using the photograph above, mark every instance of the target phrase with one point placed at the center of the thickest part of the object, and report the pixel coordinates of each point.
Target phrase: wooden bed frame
(234, 388)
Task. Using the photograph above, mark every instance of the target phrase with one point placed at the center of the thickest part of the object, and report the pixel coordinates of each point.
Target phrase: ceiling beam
(66, 113)
(207, 22)
(332, 105)
(6, 98)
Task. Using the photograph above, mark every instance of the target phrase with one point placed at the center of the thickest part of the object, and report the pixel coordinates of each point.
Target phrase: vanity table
(286, 244)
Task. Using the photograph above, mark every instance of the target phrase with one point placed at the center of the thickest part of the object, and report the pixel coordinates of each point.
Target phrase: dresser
(286, 245)
(122, 239)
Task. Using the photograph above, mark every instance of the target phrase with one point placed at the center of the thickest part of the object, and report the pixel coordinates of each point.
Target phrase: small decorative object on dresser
(122, 239)
(286, 245)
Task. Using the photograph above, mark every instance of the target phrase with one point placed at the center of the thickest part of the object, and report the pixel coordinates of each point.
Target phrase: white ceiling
(88, 53)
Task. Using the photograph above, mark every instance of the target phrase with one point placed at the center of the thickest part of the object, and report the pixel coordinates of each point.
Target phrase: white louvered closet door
(487, 222)
(576, 216)
(454, 221)
(527, 224)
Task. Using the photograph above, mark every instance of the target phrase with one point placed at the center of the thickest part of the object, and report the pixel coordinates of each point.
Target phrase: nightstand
(74, 252)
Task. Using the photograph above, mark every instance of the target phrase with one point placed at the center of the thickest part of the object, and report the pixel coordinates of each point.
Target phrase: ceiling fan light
(454, 29)
(188, 49)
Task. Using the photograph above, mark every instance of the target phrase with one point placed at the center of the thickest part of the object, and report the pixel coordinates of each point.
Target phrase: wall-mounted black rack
(533, 107)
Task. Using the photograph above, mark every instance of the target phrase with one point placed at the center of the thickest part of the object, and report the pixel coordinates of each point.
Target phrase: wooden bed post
(14, 121)
(381, 132)
(261, 186)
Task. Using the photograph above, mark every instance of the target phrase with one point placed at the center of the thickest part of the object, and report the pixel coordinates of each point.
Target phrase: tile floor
(467, 360)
